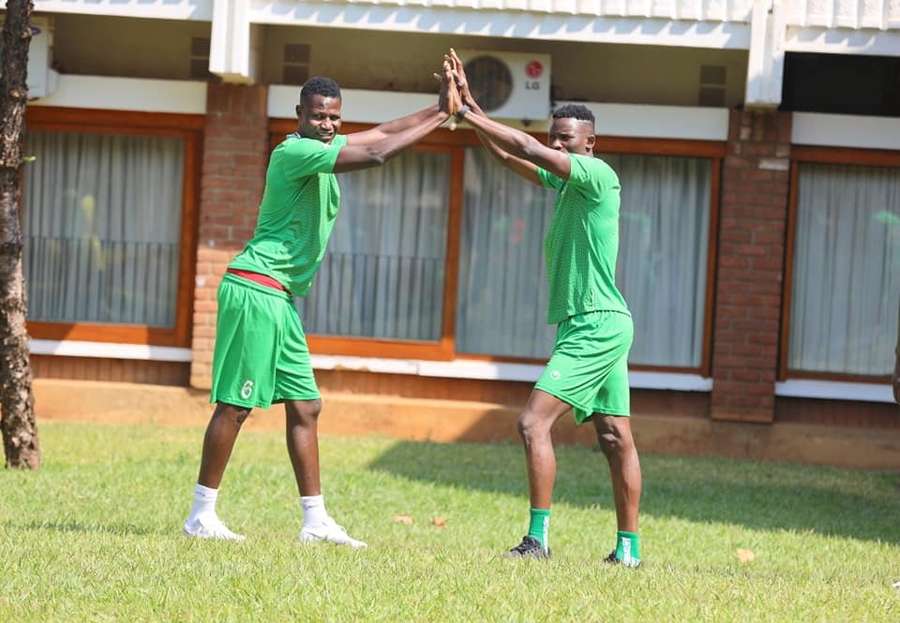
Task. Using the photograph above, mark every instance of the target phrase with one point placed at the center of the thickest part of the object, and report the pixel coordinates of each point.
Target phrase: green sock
(628, 547)
(539, 527)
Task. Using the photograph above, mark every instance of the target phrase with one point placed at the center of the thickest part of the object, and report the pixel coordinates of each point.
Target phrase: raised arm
(521, 167)
(390, 128)
(367, 154)
(519, 144)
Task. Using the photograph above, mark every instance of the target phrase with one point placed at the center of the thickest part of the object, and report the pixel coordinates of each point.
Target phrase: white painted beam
(359, 105)
(835, 390)
(141, 94)
(498, 371)
(235, 44)
(683, 122)
(864, 132)
(765, 66)
(652, 121)
(73, 348)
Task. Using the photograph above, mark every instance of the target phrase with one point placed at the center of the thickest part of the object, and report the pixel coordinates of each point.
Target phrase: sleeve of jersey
(308, 157)
(548, 179)
(587, 175)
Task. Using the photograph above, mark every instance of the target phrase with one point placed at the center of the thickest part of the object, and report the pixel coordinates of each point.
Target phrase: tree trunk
(17, 422)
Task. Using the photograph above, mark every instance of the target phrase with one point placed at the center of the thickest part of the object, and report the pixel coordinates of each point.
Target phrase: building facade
(758, 144)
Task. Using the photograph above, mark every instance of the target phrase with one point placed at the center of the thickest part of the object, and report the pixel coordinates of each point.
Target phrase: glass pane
(103, 227)
(663, 246)
(846, 280)
(502, 302)
(383, 273)
(661, 270)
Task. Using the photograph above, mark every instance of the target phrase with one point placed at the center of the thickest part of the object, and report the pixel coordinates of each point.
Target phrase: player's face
(571, 135)
(320, 118)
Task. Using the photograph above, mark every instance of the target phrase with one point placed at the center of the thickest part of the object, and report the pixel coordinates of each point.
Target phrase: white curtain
(502, 301)
(383, 273)
(846, 279)
(663, 247)
(661, 269)
(102, 227)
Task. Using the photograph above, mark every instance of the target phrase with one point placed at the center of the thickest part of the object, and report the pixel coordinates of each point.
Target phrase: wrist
(462, 112)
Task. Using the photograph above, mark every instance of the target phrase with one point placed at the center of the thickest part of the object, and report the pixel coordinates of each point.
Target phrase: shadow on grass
(759, 496)
(76, 527)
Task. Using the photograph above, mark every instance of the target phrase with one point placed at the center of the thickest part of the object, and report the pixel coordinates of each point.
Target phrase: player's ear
(591, 139)
(297, 109)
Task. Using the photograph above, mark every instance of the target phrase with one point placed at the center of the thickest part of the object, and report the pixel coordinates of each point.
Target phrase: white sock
(314, 513)
(204, 501)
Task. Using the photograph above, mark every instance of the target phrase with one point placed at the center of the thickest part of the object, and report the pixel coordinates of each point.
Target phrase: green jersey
(583, 241)
(297, 213)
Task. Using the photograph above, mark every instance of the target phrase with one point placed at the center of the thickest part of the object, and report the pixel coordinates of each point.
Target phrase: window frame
(819, 155)
(455, 143)
(187, 127)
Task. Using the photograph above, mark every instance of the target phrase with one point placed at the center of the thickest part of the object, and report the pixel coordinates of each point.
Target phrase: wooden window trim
(455, 143)
(821, 155)
(190, 129)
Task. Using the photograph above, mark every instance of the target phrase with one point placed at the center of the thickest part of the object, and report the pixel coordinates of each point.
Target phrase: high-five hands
(449, 100)
(458, 72)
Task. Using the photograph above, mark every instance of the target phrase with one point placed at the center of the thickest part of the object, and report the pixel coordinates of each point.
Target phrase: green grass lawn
(95, 535)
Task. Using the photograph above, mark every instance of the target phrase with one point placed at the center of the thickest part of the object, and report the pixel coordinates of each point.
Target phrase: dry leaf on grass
(406, 520)
(439, 522)
(745, 555)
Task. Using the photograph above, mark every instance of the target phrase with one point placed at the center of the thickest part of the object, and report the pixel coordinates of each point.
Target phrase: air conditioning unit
(41, 79)
(509, 85)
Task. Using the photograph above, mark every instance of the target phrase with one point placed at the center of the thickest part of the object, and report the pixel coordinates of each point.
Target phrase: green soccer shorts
(261, 356)
(589, 365)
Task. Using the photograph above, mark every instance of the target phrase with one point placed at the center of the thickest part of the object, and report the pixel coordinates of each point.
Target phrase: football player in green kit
(260, 355)
(588, 370)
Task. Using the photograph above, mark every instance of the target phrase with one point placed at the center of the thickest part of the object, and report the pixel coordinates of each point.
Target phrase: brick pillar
(750, 268)
(235, 152)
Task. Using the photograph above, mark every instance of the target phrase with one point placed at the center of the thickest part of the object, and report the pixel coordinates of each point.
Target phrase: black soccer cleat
(530, 547)
(612, 560)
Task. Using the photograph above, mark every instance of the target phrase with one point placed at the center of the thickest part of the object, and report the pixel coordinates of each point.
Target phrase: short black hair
(574, 111)
(319, 85)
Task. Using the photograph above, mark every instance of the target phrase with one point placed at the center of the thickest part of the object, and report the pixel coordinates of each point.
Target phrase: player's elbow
(375, 156)
(529, 147)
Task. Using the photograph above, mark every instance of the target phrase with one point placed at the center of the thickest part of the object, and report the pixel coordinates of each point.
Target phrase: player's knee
(530, 425)
(238, 415)
(306, 412)
(614, 441)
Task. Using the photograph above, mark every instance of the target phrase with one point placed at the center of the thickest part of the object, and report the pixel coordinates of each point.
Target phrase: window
(108, 217)
(844, 285)
(662, 266)
(439, 255)
(383, 275)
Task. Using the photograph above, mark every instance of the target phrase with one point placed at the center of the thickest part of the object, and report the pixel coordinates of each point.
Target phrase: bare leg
(614, 434)
(302, 436)
(221, 433)
(535, 423)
